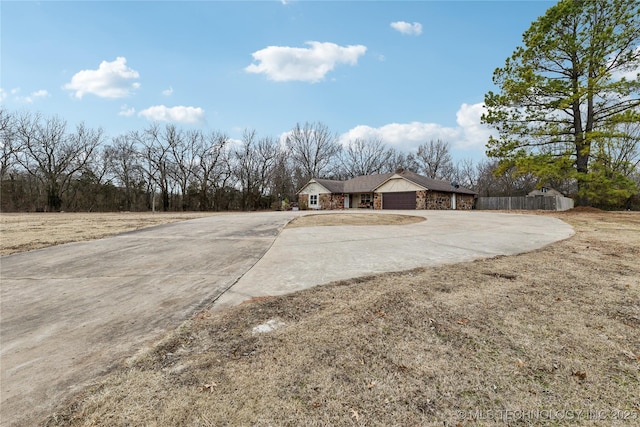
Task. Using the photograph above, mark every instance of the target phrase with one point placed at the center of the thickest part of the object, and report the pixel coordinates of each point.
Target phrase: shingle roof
(332, 185)
(365, 183)
(434, 184)
(368, 183)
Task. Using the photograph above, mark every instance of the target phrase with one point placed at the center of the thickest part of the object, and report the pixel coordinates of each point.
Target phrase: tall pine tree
(573, 86)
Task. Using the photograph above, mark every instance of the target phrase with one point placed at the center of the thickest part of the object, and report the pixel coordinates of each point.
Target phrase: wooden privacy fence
(547, 203)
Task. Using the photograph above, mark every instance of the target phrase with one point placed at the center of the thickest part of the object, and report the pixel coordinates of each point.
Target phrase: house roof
(331, 184)
(365, 183)
(368, 183)
(434, 184)
(359, 184)
(545, 191)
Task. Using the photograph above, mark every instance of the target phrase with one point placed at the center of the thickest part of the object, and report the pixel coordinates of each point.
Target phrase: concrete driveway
(305, 257)
(72, 312)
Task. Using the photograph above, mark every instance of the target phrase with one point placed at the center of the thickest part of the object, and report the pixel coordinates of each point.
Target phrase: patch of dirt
(553, 335)
(354, 219)
(28, 231)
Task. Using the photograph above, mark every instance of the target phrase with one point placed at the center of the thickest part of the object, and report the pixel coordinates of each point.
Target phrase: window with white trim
(365, 198)
(313, 199)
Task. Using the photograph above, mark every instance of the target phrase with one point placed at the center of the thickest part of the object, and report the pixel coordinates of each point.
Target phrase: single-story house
(400, 190)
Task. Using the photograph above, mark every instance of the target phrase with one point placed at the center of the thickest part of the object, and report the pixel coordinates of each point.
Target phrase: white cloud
(404, 136)
(110, 80)
(168, 92)
(414, 29)
(127, 111)
(39, 94)
(470, 134)
(11, 93)
(628, 74)
(29, 99)
(474, 133)
(179, 114)
(283, 63)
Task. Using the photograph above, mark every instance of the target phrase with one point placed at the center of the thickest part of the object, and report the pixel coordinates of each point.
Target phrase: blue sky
(406, 72)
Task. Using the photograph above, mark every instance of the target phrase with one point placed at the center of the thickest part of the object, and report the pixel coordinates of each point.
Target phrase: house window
(365, 200)
(313, 199)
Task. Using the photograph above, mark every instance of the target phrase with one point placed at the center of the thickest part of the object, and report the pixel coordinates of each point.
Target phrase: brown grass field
(22, 232)
(550, 337)
(321, 220)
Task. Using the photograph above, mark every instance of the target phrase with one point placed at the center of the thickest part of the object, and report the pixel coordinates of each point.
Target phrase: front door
(346, 201)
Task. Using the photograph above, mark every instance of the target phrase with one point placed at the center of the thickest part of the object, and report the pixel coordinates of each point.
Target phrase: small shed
(545, 191)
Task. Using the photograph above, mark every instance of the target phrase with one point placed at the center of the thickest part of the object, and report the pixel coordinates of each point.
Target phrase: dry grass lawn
(317, 220)
(22, 232)
(550, 337)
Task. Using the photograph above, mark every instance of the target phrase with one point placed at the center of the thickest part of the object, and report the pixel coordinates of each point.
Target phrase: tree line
(566, 112)
(46, 165)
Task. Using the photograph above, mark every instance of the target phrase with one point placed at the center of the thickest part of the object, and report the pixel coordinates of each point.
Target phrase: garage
(403, 200)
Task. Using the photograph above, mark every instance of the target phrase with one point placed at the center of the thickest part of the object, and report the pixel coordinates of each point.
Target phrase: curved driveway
(71, 312)
(305, 257)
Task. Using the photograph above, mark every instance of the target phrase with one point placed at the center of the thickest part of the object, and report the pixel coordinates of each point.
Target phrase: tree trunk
(54, 201)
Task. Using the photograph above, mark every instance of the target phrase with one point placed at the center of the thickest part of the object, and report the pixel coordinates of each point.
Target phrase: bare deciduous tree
(507, 183)
(183, 149)
(51, 155)
(283, 186)
(8, 143)
(155, 145)
(465, 173)
(255, 160)
(91, 190)
(212, 169)
(621, 152)
(434, 160)
(314, 150)
(401, 161)
(365, 157)
(124, 165)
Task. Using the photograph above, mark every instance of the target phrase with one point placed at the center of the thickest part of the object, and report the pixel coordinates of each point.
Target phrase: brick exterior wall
(331, 201)
(303, 201)
(324, 201)
(438, 200)
(464, 201)
(421, 199)
(424, 200)
(377, 201)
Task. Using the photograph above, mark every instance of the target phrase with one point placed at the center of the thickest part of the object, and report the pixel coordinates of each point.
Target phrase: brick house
(399, 190)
